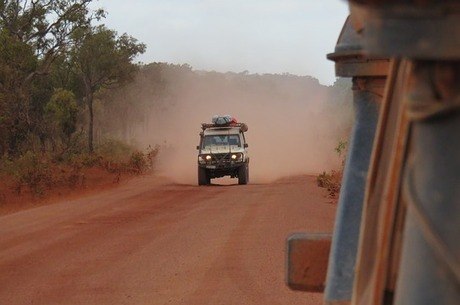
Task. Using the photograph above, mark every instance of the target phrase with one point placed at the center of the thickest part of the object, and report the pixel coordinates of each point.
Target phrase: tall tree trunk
(89, 100)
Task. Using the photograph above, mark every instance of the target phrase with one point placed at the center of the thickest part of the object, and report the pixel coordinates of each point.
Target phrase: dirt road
(150, 242)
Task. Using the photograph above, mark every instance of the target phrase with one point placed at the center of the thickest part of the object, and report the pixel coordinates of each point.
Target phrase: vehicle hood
(224, 149)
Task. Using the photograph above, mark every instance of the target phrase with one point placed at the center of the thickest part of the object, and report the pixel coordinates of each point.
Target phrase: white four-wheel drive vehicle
(223, 151)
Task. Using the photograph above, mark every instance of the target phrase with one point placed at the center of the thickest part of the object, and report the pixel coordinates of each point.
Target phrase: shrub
(333, 181)
(142, 162)
(114, 150)
(31, 170)
(138, 162)
(39, 172)
(330, 181)
(341, 149)
(151, 155)
(74, 148)
(85, 160)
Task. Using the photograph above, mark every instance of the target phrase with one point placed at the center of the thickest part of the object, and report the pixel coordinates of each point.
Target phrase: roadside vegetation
(332, 180)
(56, 67)
(38, 173)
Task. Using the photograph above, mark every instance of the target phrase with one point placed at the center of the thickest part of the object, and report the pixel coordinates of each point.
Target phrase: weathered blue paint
(344, 247)
(429, 271)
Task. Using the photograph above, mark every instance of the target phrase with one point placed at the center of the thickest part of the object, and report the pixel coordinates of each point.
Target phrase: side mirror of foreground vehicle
(307, 260)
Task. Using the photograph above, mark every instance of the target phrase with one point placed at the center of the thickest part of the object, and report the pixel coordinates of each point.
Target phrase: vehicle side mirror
(198, 147)
(246, 145)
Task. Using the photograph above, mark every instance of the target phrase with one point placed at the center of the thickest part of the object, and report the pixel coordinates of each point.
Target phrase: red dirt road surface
(153, 242)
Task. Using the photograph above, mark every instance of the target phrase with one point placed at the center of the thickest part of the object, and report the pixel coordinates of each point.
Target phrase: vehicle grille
(221, 158)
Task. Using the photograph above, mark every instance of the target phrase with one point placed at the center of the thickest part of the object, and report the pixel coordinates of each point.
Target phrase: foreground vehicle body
(223, 151)
(402, 248)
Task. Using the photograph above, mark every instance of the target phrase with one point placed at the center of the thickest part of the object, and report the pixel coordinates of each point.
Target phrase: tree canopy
(49, 52)
(103, 60)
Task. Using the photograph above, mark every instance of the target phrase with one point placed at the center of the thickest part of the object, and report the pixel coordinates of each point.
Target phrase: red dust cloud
(294, 124)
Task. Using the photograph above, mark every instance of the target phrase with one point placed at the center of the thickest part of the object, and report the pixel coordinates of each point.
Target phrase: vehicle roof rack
(243, 127)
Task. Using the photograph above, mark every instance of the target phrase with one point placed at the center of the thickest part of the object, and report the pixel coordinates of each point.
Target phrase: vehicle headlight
(237, 157)
(204, 158)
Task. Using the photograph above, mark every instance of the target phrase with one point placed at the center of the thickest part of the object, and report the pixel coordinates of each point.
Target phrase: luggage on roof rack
(242, 126)
(223, 120)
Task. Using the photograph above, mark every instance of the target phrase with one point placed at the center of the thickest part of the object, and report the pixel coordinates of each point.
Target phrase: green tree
(33, 34)
(62, 111)
(103, 60)
(17, 61)
(46, 26)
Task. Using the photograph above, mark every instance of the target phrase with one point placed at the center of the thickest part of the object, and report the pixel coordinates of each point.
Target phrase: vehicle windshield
(221, 140)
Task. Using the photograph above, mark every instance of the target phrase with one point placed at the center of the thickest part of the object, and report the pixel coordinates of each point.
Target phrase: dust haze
(294, 123)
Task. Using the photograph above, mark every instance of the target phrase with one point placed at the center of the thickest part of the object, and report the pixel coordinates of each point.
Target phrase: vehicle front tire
(203, 178)
(243, 174)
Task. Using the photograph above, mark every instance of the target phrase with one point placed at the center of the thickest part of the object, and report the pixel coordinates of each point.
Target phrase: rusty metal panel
(307, 257)
(382, 194)
(369, 77)
(367, 98)
(362, 68)
(409, 29)
(350, 59)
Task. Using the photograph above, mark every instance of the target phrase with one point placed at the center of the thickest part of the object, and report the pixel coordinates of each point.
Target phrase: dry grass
(331, 181)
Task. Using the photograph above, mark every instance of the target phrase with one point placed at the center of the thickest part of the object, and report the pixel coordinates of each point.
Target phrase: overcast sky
(261, 36)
